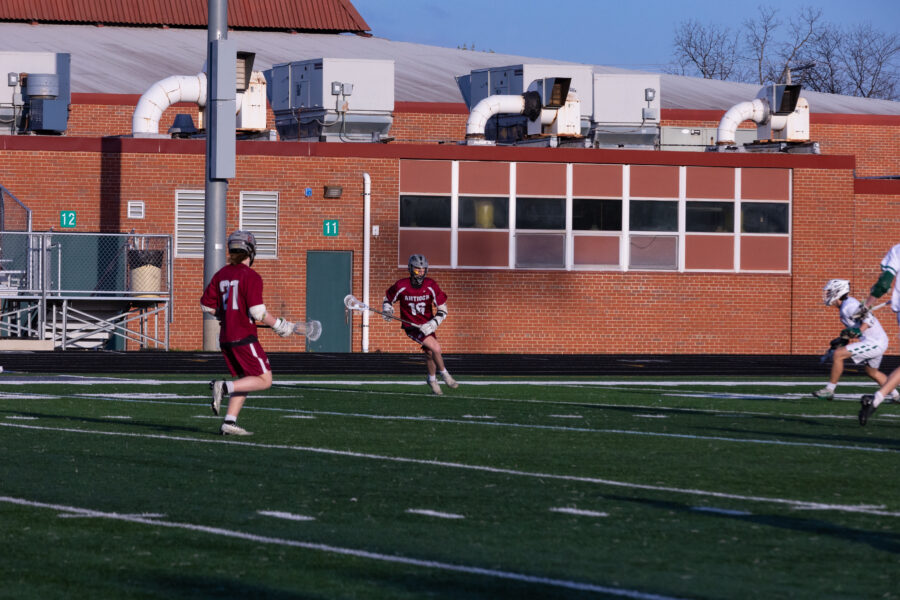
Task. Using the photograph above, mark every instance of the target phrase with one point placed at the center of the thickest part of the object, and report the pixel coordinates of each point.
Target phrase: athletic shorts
(866, 353)
(417, 336)
(246, 359)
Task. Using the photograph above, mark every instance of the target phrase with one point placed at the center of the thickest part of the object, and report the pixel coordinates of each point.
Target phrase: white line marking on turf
(124, 417)
(722, 511)
(299, 417)
(478, 417)
(566, 416)
(579, 512)
(652, 416)
(21, 418)
(356, 553)
(433, 513)
(797, 504)
(82, 515)
(285, 515)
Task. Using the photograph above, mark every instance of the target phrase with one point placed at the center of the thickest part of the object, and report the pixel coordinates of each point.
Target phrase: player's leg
(837, 369)
(250, 363)
(438, 357)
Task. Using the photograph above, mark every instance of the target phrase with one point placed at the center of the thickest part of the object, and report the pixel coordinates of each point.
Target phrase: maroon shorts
(417, 336)
(246, 359)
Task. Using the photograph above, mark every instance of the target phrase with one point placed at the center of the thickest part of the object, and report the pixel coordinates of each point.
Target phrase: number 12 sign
(67, 218)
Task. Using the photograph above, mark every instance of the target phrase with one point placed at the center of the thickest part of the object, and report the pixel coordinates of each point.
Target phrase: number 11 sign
(330, 227)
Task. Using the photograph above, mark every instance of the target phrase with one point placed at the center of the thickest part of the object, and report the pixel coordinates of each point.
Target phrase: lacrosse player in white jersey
(890, 264)
(862, 340)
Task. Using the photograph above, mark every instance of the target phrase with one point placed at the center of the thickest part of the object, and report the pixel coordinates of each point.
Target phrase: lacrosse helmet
(245, 241)
(418, 266)
(834, 290)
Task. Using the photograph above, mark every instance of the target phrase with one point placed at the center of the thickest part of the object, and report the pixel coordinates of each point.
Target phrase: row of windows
(591, 214)
(596, 233)
(258, 214)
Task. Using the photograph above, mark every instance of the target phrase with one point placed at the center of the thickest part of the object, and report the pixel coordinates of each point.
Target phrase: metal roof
(281, 15)
(128, 60)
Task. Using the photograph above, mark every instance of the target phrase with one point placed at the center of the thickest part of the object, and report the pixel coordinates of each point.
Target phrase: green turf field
(634, 488)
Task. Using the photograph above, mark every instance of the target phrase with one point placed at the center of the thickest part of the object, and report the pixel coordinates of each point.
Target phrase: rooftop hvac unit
(782, 122)
(37, 95)
(332, 99)
(564, 92)
(626, 111)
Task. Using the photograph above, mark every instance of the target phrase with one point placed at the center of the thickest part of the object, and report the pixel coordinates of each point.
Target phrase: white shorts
(866, 353)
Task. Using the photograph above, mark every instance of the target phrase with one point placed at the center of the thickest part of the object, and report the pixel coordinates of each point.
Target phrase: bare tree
(860, 61)
(759, 34)
(869, 58)
(708, 50)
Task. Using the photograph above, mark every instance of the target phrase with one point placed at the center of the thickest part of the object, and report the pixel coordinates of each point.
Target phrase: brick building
(541, 250)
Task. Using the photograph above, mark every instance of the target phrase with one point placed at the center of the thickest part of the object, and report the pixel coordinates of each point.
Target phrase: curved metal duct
(163, 94)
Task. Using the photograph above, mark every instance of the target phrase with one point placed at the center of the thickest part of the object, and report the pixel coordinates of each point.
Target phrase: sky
(619, 33)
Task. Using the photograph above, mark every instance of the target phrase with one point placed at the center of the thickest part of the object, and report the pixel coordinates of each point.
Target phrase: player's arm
(439, 316)
(387, 308)
(281, 326)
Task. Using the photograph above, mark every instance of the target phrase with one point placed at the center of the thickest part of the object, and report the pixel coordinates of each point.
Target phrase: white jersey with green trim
(891, 262)
(875, 333)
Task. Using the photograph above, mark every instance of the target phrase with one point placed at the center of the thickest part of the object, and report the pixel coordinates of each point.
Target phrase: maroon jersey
(416, 303)
(232, 291)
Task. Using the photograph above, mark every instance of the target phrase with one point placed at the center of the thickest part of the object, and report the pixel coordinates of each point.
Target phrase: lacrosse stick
(861, 312)
(352, 303)
(311, 329)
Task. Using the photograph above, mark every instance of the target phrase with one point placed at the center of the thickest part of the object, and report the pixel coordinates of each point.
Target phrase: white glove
(283, 327)
(387, 310)
(429, 327)
(861, 313)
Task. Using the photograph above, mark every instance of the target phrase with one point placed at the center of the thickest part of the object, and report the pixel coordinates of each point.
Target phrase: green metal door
(329, 278)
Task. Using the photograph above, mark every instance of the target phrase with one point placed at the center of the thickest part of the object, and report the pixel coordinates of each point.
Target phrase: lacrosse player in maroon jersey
(234, 296)
(423, 305)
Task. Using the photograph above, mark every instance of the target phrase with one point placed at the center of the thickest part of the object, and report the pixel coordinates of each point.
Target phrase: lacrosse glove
(429, 327)
(838, 342)
(861, 313)
(387, 311)
(850, 333)
(283, 327)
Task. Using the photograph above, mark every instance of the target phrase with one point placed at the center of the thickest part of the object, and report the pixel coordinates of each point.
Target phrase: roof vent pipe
(528, 104)
(756, 110)
(161, 95)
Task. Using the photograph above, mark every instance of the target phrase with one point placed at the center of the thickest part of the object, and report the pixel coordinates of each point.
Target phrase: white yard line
(433, 513)
(579, 512)
(794, 504)
(721, 511)
(487, 422)
(285, 515)
(354, 552)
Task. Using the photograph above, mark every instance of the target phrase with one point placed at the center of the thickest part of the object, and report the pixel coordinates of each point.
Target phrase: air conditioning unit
(332, 99)
(37, 95)
(626, 110)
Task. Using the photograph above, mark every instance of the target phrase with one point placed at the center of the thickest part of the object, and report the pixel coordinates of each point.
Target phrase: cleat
(448, 379)
(894, 397)
(435, 387)
(232, 429)
(867, 409)
(218, 390)
(824, 394)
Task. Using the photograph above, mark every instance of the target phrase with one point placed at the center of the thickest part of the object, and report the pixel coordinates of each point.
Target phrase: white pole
(367, 232)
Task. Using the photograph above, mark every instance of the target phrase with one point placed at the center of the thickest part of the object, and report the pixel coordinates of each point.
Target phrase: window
(596, 215)
(259, 215)
(483, 213)
(709, 217)
(540, 213)
(424, 211)
(189, 221)
(764, 217)
(653, 215)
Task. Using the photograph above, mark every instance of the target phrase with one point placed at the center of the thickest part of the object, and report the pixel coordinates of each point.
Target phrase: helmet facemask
(834, 290)
(418, 267)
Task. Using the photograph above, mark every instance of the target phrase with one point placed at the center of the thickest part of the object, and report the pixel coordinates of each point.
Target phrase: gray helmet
(243, 240)
(417, 262)
(834, 290)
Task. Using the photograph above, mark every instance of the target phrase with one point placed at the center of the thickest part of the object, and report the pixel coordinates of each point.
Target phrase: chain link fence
(89, 286)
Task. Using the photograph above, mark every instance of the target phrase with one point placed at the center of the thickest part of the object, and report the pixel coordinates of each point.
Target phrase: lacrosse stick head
(313, 330)
(352, 303)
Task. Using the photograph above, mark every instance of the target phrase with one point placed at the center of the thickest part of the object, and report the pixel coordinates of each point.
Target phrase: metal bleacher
(68, 290)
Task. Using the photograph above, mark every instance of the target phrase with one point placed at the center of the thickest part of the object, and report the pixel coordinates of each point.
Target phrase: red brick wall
(835, 234)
